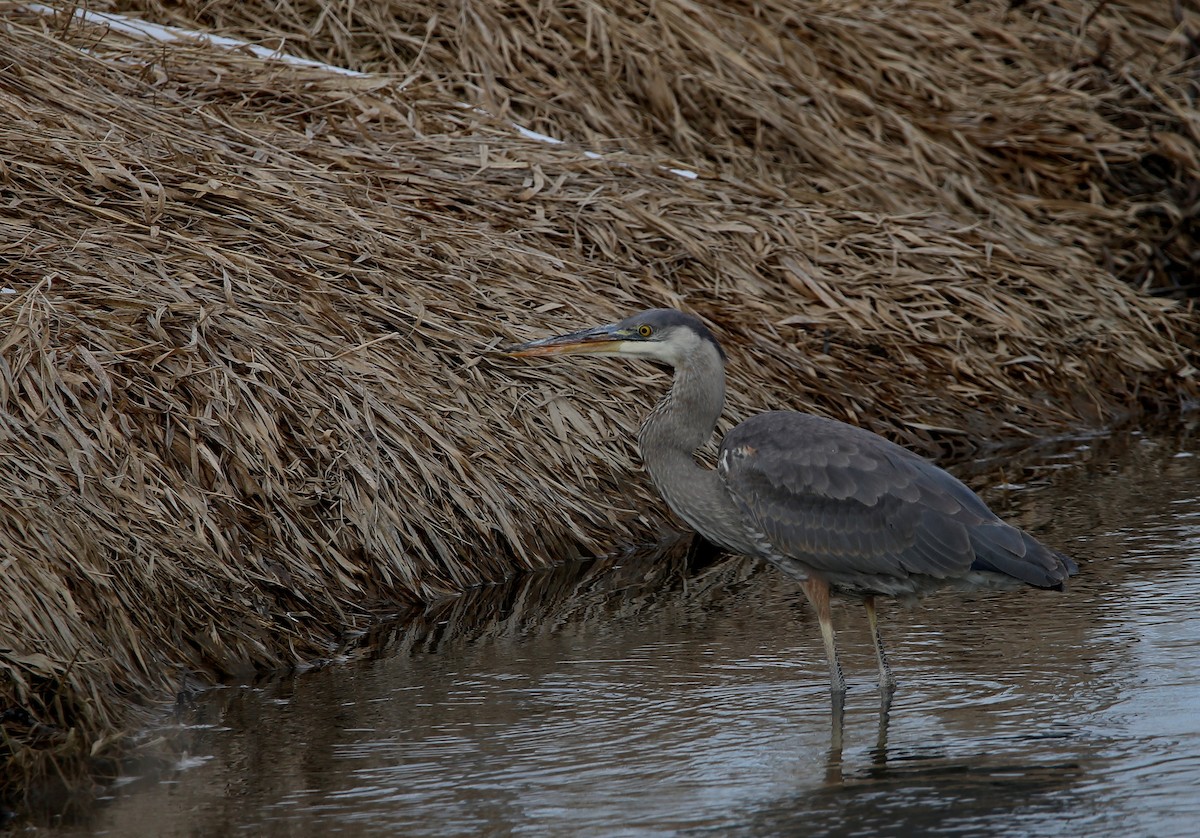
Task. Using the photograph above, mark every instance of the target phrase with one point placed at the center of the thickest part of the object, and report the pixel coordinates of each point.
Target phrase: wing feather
(848, 502)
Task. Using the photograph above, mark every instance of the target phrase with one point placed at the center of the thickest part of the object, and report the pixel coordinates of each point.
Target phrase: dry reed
(248, 401)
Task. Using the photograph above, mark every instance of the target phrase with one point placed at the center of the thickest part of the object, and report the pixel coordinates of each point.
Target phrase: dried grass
(1077, 113)
(247, 398)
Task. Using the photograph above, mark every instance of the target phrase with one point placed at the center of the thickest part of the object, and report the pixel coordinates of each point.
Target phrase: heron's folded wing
(847, 501)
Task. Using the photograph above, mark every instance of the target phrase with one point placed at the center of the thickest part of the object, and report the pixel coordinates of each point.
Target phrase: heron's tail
(1000, 548)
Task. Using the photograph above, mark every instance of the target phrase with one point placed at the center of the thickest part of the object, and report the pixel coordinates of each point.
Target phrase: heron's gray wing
(849, 502)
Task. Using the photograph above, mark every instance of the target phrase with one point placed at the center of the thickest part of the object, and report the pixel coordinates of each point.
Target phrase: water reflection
(687, 694)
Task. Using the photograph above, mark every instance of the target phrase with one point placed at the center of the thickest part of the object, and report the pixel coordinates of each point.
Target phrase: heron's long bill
(600, 339)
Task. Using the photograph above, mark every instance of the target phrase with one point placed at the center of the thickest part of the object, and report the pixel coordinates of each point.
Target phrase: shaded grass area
(248, 400)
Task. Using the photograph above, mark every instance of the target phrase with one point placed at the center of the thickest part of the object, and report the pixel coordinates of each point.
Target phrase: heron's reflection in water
(834, 775)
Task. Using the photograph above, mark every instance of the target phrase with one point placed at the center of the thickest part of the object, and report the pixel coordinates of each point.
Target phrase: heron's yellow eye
(645, 331)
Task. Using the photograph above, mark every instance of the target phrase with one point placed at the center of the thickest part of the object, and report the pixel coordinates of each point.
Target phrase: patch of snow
(158, 32)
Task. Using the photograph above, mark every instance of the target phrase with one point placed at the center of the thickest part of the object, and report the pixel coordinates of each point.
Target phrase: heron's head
(658, 334)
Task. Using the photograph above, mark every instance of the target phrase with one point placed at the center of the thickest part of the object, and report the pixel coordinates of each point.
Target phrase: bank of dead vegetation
(248, 399)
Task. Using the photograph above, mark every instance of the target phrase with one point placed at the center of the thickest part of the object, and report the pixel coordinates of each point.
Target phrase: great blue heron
(836, 507)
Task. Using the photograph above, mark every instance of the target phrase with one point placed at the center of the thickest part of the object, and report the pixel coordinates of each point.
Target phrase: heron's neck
(682, 422)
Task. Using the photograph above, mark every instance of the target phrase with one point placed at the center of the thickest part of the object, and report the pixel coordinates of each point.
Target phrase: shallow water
(677, 695)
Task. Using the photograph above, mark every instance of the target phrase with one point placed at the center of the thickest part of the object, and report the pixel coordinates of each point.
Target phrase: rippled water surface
(686, 696)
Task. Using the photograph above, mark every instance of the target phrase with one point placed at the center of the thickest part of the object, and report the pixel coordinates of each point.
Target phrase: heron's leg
(837, 718)
(817, 591)
(887, 682)
(879, 754)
